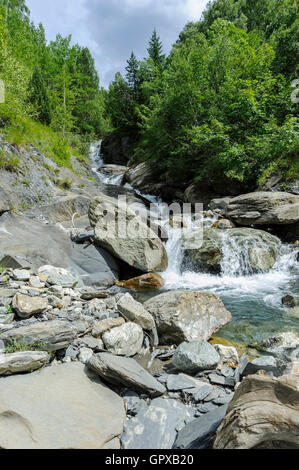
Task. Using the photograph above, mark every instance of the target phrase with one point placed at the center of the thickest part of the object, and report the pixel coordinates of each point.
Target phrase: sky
(112, 29)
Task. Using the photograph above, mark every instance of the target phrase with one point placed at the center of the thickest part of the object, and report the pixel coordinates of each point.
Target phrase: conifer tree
(155, 50)
(132, 74)
(39, 96)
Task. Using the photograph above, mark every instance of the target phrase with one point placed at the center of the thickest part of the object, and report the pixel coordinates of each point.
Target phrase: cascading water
(254, 299)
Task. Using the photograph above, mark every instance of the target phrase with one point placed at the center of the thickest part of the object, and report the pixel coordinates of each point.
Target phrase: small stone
(126, 340)
(35, 281)
(71, 352)
(85, 355)
(178, 382)
(21, 275)
(228, 354)
(105, 325)
(241, 367)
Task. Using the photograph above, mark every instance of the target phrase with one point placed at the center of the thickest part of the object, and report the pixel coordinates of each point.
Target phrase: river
(255, 300)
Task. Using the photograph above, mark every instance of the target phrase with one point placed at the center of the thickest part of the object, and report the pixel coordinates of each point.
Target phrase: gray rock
(21, 275)
(199, 433)
(266, 363)
(220, 380)
(4, 202)
(200, 394)
(92, 415)
(135, 312)
(72, 352)
(179, 382)
(125, 340)
(157, 427)
(6, 319)
(85, 355)
(187, 315)
(145, 252)
(241, 367)
(127, 372)
(51, 335)
(26, 306)
(195, 357)
(17, 363)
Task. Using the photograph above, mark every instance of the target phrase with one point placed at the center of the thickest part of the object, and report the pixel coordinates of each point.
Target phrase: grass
(16, 345)
(28, 131)
(9, 162)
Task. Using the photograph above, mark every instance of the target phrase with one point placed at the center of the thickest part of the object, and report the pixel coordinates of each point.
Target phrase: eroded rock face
(240, 250)
(264, 414)
(187, 315)
(63, 393)
(139, 247)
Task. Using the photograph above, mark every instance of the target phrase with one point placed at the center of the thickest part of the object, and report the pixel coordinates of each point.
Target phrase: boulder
(26, 306)
(138, 246)
(156, 426)
(251, 251)
(187, 315)
(150, 281)
(125, 340)
(51, 335)
(264, 208)
(125, 371)
(34, 406)
(265, 363)
(63, 208)
(17, 363)
(195, 357)
(264, 414)
(25, 242)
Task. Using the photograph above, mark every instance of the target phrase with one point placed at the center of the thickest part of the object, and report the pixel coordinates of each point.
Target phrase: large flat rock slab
(59, 408)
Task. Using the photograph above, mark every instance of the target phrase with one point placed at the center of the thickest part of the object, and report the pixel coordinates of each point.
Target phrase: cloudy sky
(111, 29)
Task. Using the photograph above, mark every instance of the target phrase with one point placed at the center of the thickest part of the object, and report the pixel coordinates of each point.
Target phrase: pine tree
(19, 5)
(39, 96)
(155, 50)
(132, 74)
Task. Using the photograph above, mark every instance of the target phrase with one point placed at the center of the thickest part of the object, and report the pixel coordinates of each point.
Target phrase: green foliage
(39, 97)
(220, 108)
(18, 345)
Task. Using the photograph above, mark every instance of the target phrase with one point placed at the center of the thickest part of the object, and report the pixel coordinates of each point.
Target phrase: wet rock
(199, 433)
(150, 281)
(195, 357)
(264, 414)
(254, 250)
(125, 340)
(127, 372)
(26, 306)
(288, 301)
(187, 315)
(62, 394)
(17, 363)
(156, 428)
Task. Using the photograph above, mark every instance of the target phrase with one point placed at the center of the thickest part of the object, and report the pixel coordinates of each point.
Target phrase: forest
(217, 107)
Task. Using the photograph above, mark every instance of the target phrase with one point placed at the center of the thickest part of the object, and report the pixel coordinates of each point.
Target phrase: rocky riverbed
(92, 335)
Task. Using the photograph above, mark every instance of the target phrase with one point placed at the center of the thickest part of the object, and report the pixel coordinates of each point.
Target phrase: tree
(155, 51)
(39, 97)
(10, 5)
(132, 74)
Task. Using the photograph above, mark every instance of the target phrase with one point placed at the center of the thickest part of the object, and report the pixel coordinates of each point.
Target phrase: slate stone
(266, 363)
(241, 367)
(199, 433)
(179, 382)
(157, 427)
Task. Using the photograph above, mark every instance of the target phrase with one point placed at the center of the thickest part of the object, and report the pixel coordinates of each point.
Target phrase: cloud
(112, 29)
